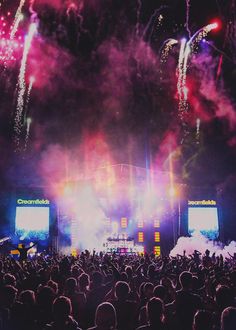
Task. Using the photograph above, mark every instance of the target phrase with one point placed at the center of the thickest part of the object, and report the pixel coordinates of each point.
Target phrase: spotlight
(172, 192)
(68, 189)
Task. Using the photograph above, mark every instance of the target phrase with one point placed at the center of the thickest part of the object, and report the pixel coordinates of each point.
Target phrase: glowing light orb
(172, 192)
(29, 121)
(216, 24)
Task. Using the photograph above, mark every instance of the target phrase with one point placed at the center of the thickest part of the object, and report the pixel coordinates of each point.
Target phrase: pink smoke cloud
(169, 146)
(53, 3)
(118, 73)
(48, 64)
(223, 106)
(59, 164)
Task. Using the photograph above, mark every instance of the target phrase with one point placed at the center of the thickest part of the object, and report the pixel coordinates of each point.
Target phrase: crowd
(100, 291)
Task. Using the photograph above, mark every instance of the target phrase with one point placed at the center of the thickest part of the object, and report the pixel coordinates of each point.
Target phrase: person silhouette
(23, 250)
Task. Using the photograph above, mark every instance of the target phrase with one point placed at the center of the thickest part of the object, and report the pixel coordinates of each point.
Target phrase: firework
(219, 67)
(28, 123)
(185, 51)
(28, 120)
(34, 15)
(139, 6)
(18, 18)
(153, 24)
(166, 48)
(181, 78)
(187, 17)
(21, 82)
(200, 34)
(15, 26)
(31, 82)
(160, 19)
(9, 46)
(198, 123)
(157, 24)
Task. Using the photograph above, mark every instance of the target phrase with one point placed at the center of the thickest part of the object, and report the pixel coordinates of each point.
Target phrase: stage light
(68, 189)
(74, 252)
(157, 237)
(140, 237)
(140, 223)
(124, 222)
(156, 223)
(140, 249)
(157, 250)
(172, 192)
(114, 227)
(108, 222)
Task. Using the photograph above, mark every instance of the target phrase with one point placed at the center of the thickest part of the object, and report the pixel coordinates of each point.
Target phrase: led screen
(203, 220)
(32, 223)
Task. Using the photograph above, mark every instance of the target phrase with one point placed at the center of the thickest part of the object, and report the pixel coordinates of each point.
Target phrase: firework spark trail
(198, 123)
(187, 18)
(71, 7)
(219, 68)
(185, 51)
(200, 34)
(139, 6)
(28, 123)
(21, 83)
(76, 10)
(151, 25)
(31, 82)
(14, 29)
(230, 34)
(17, 19)
(180, 74)
(166, 48)
(157, 24)
(15, 26)
(34, 15)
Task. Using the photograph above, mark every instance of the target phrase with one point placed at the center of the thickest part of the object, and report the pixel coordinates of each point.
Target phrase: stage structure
(119, 208)
(30, 220)
(203, 218)
(201, 213)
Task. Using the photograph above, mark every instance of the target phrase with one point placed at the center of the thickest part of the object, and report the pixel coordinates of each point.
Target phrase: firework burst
(186, 48)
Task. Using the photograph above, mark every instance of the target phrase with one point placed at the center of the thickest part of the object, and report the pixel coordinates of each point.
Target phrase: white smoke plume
(201, 243)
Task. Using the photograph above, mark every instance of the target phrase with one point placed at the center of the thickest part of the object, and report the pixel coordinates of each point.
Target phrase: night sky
(102, 94)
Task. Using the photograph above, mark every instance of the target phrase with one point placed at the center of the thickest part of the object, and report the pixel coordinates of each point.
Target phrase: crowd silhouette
(120, 292)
